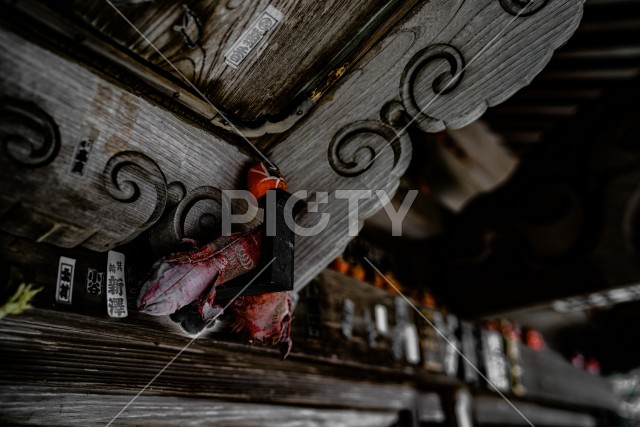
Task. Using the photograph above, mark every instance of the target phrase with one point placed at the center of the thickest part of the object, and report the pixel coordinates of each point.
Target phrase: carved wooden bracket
(141, 159)
(87, 163)
(441, 68)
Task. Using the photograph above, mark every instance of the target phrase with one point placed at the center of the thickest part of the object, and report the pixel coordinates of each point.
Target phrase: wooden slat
(591, 63)
(546, 375)
(614, 37)
(621, 23)
(608, 53)
(514, 109)
(68, 350)
(623, 73)
(64, 407)
(495, 411)
(607, 10)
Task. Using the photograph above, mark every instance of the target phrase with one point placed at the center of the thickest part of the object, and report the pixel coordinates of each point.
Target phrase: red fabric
(179, 279)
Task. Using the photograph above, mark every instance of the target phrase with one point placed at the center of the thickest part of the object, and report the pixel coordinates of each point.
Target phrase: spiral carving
(363, 157)
(169, 232)
(523, 8)
(207, 220)
(144, 170)
(29, 136)
(443, 84)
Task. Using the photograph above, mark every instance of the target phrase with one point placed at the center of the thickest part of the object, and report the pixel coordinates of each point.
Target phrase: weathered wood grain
(322, 337)
(355, 138)
(69, 360)
(45, 350)
(143, 161)
(441, 66)
(481, 25)
(495, 411)
(307, 42)
(142, 158)
(97, 354)
(63, 407)
(546, 375)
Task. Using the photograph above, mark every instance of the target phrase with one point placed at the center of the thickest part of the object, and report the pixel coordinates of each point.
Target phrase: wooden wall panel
(309, 37)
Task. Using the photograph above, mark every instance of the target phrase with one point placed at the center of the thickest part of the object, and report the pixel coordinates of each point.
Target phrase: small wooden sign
(495, 360)
(253, 36)
(64, 282)
(116, 287)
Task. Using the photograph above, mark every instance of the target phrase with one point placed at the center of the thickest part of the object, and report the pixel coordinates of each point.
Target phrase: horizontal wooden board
(496, 411)
(52, 406)
(99, 354)
(547, 376)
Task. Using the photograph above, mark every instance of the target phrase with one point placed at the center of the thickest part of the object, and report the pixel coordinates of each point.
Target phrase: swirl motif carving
(442, 84)
(363, 157)
(144, 170)
(172, 228)
(29, 136)
(523, 8)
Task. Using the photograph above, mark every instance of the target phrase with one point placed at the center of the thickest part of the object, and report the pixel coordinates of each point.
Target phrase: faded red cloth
(181, 278)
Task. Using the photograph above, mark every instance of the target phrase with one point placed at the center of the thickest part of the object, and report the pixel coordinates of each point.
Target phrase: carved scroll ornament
(29, 136)
(185, 220)
(364, 155)
(138, 168)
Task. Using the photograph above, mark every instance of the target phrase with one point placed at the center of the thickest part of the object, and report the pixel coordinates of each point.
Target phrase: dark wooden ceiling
(602, 56)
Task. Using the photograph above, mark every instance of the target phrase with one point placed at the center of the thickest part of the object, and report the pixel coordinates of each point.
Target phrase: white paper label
(495, 360)
(411, 346)
(116, 288)
(348, 312)
(64, 285)
(382, 321)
